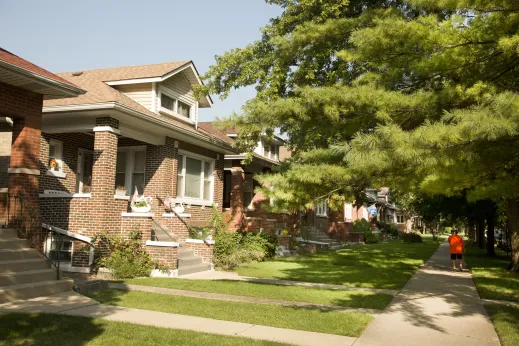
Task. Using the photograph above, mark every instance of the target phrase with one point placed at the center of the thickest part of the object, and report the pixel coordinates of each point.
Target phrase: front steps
(24, 274)
(189, 263)
(316, 235)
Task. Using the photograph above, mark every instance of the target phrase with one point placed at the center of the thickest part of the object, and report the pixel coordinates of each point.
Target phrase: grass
(505, 321)
(354, 299)
(332, 322)
(384, 265)
(47, 329)
(491, 276)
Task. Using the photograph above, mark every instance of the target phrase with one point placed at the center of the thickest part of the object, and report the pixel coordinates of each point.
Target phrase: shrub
(199, 232)
(411, 238)
(126, 257)
(361, 225)
(271, 245)
(371, 238)
(234, 248)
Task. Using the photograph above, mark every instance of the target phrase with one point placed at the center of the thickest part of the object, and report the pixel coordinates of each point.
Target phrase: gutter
(65, 88)
(116, 106)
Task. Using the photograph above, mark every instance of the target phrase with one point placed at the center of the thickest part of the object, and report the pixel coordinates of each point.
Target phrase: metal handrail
(24, 219)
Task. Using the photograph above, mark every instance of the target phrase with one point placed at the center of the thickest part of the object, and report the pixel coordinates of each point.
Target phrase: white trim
(65, 195)
(153, 96)
(209, 242)
(67, 233)
(194, 201)
(56, 174)
(67, 267)
(195, 156)
(123, 214)
(19, 170)
(162, 243)
(194, 241)
(127, 198)
(6, 120)
(4, 190)
(170, 113)
(135, 81)
(301, 240)
(173, 215)
(235, 157)
(129, 165)
(80, 171)
(106, 129)
(203, 160)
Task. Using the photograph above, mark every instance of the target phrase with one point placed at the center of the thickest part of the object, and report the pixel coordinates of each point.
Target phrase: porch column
(104, 214)
(237, 181)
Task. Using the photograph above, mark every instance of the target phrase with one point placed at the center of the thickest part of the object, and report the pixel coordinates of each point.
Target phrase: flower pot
(120, 192)
(146, 209)
(179, 209)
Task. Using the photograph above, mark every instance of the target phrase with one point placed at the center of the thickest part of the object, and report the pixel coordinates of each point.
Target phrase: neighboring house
(239, 198)
(136, 127)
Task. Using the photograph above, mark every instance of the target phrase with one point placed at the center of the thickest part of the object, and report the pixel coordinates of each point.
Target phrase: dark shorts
(455, 256)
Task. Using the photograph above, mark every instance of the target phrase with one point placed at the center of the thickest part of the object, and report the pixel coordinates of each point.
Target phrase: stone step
(182, 251)
(32, 290)
(189, 260)
(22, 265)
(8, 233)
(13, 243)
(202, 267)
(27, 277)
(15, 254)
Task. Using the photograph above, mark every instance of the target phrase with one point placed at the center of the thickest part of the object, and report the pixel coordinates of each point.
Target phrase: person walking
(456, 249)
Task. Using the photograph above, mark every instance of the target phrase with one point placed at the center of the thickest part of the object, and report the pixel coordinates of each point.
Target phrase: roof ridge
(127, 66)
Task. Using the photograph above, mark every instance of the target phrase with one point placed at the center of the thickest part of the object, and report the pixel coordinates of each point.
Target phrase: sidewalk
(436, 307)
(74, 304)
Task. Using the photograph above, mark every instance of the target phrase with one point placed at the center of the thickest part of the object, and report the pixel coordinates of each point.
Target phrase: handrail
(24, 219)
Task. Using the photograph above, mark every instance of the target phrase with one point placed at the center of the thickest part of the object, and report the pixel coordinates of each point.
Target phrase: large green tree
(420, 95)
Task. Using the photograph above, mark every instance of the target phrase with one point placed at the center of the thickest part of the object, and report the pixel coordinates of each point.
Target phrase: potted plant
(141, 205)
(53, 164)
(120, 190)
(179, 209)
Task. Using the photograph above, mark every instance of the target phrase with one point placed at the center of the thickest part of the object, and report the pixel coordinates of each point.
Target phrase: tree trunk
(472, 230)
(491, 222)
(512, 215)
(480, 232)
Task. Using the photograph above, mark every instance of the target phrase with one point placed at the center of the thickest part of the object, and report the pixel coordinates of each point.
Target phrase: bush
(371, 238)
(361, 225)
(233, 248)
(271, 245)
(126, 257)
(412, 238)
(199, 232)
(388, 228)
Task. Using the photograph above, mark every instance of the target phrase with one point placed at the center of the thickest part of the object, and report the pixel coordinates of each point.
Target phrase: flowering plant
(53, 164)
(285, 232)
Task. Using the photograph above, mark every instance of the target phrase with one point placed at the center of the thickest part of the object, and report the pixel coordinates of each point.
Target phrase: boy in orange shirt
(456, 249)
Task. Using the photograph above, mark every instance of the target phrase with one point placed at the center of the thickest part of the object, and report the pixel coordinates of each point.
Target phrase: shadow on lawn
(47, 329)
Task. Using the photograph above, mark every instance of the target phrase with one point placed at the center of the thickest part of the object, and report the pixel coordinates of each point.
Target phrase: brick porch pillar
(237, 181)
(160, 172)
(104, 213)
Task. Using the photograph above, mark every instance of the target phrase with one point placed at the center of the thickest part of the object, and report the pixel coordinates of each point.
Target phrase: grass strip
(386, 265)
(352, 299)
(491, 276)
(505, 321)
(331, 322)
(49, 329)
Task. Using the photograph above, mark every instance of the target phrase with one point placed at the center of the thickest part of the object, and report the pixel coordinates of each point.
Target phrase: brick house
(135, 127)
(240, 200)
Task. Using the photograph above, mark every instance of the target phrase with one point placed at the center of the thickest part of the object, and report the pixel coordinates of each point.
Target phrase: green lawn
(354, 299)
(47, 329)
(332, 322)
(491, 276)
(505, 319)
(383, 265)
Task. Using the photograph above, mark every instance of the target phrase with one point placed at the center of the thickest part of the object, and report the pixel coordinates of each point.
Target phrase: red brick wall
(141, 224)
(166, 255)
(203, 250)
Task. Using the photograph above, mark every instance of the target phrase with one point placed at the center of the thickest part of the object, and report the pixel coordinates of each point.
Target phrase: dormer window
(167, 102)
(183, 109)
(175, 107)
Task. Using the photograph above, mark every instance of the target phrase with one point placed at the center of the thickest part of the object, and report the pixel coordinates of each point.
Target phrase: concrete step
(193, 269)
(15, 254)
(189, 260)
(27, 277)
(22, 265)
(37, 289)
(8, 233)
(13, 243)
(182, 251)
(162, 233)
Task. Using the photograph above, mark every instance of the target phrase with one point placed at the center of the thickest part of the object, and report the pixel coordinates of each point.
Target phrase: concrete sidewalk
(436, 307)
(74, 304)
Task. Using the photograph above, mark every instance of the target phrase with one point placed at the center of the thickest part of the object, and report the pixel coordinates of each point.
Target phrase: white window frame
(400, 217)
(321, 209)
(250, 206)
(48, 247)
(128, 170)
(79, 174)
(348, 212)
(193, 200)
(58, 154)
(176, 97)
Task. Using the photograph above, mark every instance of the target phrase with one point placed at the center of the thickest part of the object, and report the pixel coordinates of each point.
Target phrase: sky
(68, 35)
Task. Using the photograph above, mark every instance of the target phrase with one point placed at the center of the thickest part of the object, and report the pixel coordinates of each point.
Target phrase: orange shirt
(456, 244)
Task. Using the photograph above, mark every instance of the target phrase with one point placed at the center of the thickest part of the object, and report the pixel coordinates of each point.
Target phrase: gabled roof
(26, 75)
(210, 127)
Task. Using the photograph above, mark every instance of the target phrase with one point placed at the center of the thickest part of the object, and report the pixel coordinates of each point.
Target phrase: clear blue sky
(69, 35)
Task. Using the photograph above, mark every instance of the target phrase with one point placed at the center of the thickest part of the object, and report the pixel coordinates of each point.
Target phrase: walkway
(233, 298)
(436, 307)
(220, 275)
(73, 304)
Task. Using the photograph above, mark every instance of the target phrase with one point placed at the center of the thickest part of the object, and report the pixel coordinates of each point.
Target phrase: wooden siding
(140, 93)
(180, 86)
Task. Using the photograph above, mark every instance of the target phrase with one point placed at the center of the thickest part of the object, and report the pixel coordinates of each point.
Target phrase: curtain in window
(138, 171)
(120, 169)
(183, 109)
(193, 178)
(207, 181)
(180, 175)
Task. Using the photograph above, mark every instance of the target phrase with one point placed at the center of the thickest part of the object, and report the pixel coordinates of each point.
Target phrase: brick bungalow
(135, 127)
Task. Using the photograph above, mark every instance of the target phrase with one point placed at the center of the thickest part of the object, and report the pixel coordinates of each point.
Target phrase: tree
(417, 95)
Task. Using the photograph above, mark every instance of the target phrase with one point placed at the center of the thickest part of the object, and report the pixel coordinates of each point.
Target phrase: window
(195, 178)
(266, 150)
(227, 185)
(130, 168)
(248, 190)
(51, 248)
(55, 155)
(389, 218)
(400, 218)
(85, 163)
(348, 211)
(173, 106)
(321, 209)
